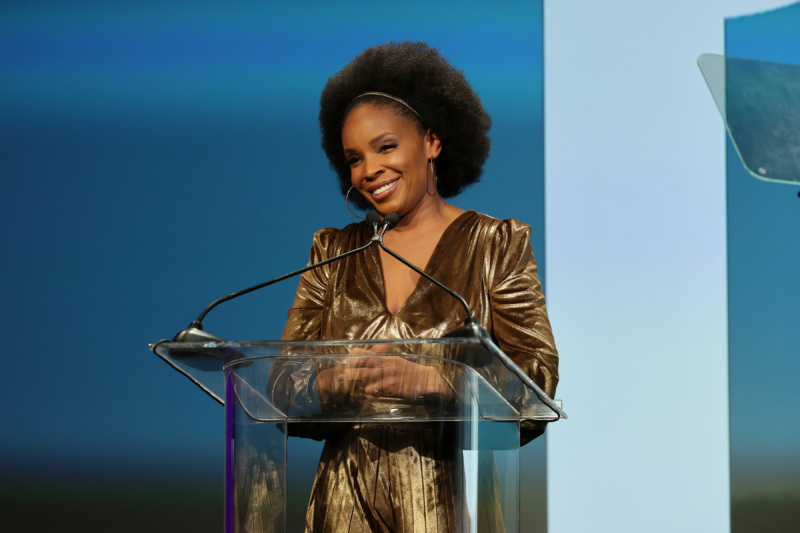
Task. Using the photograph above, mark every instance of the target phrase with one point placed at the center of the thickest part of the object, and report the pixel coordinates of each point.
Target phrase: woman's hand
(382, 376)
(396, 377)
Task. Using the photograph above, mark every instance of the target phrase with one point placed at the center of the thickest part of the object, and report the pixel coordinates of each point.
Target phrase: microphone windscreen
(373, 217)
(391, 220)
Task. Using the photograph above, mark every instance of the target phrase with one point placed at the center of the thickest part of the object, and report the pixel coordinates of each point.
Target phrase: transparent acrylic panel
(257, 498)
(502, 388)
(458, 402)
(760, 104)
(289, 388)
(267, 492)
(201, 363)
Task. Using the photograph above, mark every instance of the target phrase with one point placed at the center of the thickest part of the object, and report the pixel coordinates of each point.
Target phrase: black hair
(436, 91)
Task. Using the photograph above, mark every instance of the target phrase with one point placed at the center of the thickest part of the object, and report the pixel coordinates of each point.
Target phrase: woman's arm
(519, 317)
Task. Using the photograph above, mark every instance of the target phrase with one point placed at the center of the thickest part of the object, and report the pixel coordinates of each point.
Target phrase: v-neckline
(430, 263)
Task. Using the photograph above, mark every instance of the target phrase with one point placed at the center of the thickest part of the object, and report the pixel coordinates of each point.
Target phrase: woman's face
(388, 158)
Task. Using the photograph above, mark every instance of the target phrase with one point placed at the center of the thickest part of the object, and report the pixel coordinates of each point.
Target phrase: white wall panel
(635, 246)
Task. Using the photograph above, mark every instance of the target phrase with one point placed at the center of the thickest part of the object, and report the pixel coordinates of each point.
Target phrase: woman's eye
(353, 161)
(388, 146)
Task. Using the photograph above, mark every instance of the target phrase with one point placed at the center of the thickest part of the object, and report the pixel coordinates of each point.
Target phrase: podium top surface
(432, 379)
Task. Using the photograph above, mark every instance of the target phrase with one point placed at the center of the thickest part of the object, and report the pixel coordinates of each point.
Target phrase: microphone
(374, 220)
(195, 333)
(471, 327)
(390, 221)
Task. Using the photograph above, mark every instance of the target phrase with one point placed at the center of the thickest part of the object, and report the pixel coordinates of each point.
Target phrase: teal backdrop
(157, 155)
(763, 306)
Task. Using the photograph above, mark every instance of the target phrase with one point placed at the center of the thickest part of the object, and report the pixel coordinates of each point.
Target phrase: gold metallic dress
(374, 478)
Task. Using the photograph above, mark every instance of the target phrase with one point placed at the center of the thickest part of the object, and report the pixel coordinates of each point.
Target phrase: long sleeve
(292, 381)
(520, 323)
(304, 320)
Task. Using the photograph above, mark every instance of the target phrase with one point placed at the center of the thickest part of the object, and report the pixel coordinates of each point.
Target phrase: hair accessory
(347, 203)
(396, 99)
(432, 172)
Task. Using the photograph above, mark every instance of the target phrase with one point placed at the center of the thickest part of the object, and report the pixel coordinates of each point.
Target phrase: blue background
(764, 305)
(156, 156)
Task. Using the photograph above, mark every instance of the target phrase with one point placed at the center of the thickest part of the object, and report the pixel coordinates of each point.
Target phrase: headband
(396, 99)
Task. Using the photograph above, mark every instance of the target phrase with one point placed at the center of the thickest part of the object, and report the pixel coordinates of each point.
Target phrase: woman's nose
(371, 168)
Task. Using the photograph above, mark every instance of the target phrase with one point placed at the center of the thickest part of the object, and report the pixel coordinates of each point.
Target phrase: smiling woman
(390, 165)
(389, 158)
(418, 83)
(387, 147)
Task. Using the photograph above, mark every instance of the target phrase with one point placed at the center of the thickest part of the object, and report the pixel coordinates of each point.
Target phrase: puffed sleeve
(520, 324)
(292, 381)
(304, 320)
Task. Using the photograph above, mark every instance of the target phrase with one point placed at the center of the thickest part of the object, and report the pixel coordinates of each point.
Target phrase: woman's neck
(430, 213)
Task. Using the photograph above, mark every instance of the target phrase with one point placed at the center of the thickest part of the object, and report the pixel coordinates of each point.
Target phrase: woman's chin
(384, 208)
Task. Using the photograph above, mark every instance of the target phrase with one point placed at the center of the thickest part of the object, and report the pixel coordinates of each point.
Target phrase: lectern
(268, 390)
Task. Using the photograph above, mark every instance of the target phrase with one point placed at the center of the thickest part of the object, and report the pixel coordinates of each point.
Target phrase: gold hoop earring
(347, 203)
(432, 172)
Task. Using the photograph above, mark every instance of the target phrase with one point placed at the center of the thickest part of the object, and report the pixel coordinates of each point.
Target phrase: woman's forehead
(379, 115)
(369, 115)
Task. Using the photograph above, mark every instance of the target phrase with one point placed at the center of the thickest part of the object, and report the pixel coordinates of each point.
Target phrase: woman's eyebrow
(378, 139)
(374, 143)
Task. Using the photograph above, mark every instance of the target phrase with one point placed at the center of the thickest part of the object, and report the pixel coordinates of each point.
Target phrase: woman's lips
(384, 190)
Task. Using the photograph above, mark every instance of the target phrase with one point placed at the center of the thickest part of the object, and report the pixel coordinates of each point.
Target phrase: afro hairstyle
(436, 91)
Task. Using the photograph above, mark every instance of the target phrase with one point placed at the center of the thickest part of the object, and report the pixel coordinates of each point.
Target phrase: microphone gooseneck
(471, 328)
(195, 333)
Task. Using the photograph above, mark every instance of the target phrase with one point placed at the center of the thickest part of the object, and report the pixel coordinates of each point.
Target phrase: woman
(403, 130)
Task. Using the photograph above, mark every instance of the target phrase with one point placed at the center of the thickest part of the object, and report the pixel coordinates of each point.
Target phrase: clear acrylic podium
(269, 390)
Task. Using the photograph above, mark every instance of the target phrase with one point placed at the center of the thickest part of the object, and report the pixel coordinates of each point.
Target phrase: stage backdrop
(637, 267)
(158, 155)
(764, 306)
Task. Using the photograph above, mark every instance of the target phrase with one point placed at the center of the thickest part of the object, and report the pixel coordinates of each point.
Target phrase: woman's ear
(433, 144)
